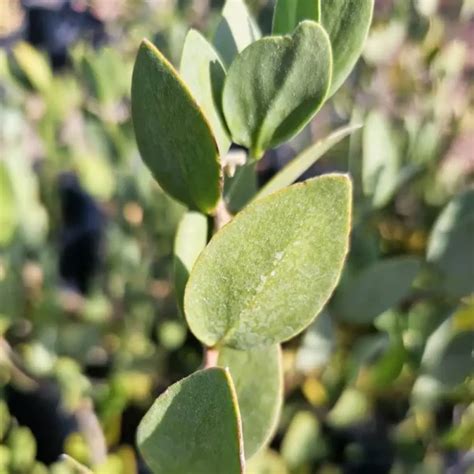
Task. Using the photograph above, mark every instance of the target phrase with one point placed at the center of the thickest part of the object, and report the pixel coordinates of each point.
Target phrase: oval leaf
(381, 159)
(377, 288)
(190, 240)
(203, 72)
(259, 385)
(266, 275)
(8, 214)
(450, 246)
(347, 23)
(276, 85)
(303, 440)
(288, 13)
(33, 65)
(173, 136)
(236, 30)
(194, 427)
(448, 355)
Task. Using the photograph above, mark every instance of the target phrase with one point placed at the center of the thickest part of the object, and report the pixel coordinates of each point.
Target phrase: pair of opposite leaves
(271, 90)
(260, 281)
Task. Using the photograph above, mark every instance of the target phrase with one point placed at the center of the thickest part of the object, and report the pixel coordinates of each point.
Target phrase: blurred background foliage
(380, 383)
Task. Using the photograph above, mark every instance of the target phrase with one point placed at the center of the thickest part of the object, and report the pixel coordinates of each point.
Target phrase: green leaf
(276, 85)
(289, 13)
(448, 356)
(241, 188)
(8, 218)
(97, 175)
(381, 159)
(31, 216)
(351, 408)
(450, 245)
(97, 67)
(267, 462)
(301, 163)
(347, 23)
(258, 379)
(389, 366)
(22, 446)
(33, 65)
(236, 30)
(375, 289)
(203, 72)
(302, 442)
(173, 135)
(194, 427)
(190, 240)
(266, 275)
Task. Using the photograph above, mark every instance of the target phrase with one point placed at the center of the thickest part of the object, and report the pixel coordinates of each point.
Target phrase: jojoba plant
(266, 274)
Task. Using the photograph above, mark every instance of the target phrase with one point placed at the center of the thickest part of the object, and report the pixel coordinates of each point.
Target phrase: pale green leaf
(236, 30)
(276, 85)
(301, 163)
(289, 13)
(173, 136)
(258, 379)
(347, 23)
(351, 408)
(267, 274)
(302, 442)
(267, 462)
(31, 216)
(194, 427)
(8, 216)
(203, 72)
(450, 245)
(381, 159)
(375, 289)
(190, 240)
(96, 175)
(33, 65)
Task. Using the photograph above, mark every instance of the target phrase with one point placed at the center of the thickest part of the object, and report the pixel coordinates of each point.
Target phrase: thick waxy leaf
(276, 85)
(194, 427)
(203, 72)
(377, 288)
(381, 160)
(347, 23)
(450, 246)
(265, 276)
(258, 379)
(301, 163)
(236, 30)
(173, 136)
(190, 240)
(288, 13)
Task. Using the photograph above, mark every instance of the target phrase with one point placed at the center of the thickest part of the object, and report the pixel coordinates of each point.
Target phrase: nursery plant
(379, 382)
(249, 281)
